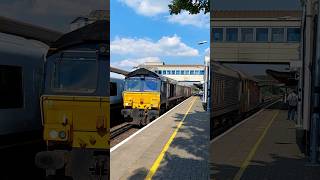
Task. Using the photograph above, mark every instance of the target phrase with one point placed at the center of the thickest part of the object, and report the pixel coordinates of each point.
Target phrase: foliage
(192, 6)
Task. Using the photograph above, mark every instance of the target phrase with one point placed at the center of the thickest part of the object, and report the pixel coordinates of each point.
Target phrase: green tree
(192, 6)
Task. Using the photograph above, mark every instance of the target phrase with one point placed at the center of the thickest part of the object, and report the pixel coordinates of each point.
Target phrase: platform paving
(187, 156)
(277, 156)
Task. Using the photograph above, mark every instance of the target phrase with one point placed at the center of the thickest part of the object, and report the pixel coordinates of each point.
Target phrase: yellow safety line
(253, 150)
(157, 162)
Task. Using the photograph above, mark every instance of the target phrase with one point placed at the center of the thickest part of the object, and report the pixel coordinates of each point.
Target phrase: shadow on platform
(187, 157)
(277, 168)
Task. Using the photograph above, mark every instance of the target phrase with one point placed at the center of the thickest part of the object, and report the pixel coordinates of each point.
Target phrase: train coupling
(140, 116)
(51, 160)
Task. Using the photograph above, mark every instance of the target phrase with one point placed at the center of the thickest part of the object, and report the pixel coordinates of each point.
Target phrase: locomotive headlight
(62, 134)
(53, 134)
(128, 103)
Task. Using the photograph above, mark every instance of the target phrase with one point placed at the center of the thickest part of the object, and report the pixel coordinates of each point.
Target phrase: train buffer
(263, 146)
(174, 146)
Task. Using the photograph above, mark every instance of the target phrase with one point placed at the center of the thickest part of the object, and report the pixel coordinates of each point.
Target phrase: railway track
(119, 129)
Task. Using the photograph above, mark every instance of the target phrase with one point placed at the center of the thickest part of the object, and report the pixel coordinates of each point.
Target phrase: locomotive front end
(75, 107)
(141, 99)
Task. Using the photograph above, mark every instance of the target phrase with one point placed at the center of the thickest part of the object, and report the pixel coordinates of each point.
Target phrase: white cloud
(148, 7)
(200, 20)
(115, 75)
(152, 8)
(166, 46)
(128, 64)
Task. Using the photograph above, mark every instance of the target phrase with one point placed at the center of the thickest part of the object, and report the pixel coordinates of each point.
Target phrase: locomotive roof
(143, 71)
(95, 32)
(15, 46)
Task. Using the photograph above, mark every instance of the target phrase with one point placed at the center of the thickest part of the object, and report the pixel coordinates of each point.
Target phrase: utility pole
(308, 49)
(314, 128)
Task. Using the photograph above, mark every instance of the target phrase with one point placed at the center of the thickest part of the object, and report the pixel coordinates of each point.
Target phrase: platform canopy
(287, 78)
(28, 31)
(119, 71)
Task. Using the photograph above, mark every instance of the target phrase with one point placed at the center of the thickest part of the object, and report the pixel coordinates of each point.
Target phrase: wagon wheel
(162, 110)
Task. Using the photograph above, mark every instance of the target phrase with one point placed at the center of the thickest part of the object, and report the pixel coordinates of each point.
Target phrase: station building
(185, 73)
(267, 37)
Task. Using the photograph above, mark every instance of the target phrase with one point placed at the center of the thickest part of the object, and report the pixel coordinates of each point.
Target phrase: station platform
(261, 147)
(174, 146)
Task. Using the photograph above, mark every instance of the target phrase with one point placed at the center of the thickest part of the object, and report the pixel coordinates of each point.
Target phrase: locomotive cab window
(151, 84)
(11, 91)
(72, 74)
(142, 84)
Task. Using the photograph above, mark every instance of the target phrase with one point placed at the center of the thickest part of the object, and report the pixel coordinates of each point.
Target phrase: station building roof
(173, 65)
(256, 14)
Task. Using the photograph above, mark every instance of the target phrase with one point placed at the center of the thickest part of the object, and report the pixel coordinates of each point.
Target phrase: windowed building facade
(255, 36)
(188, 74)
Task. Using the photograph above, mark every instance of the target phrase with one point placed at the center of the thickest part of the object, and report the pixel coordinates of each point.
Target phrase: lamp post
(206, 85)
(207, 82)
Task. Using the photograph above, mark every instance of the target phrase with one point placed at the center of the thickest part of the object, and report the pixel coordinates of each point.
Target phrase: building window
(217, 34)
(262, 34)
(173, 72)
(113, 89)
(168, 72)
(177, 72)
(159, 71)
(164, 72)
(11, 89)
(187, 72)
(196, 72)
(246, 34)
(232, 34)
(293, 34)
(182, 72)
(191, 72)
(202, 72)
(277, 35)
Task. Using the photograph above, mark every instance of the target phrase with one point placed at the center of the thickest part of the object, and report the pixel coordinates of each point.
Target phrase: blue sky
(143, 30)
